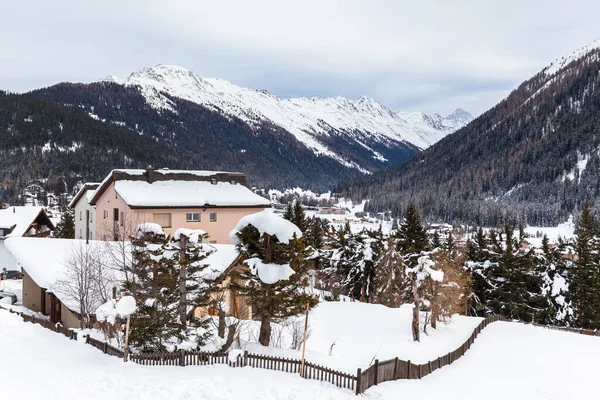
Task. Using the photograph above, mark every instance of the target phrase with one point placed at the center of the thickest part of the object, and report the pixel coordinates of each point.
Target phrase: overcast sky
(431, 56)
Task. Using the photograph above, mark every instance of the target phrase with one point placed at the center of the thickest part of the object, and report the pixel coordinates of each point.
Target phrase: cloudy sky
(431, 56)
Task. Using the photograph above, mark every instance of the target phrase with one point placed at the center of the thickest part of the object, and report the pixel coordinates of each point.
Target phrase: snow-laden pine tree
(65, 229)
(412, 236)
(390, 282)
(154, 285)
(276, 279)
(585, 275)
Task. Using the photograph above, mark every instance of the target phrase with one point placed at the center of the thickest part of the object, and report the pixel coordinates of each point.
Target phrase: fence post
(395, 367)
(87, 339)
(105, 348)
(358, 379)
(408, 369)
(182, 358)
(376, 372)
(245, 358)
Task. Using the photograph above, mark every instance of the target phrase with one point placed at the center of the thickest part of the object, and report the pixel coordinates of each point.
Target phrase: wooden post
(304, 341)
(126, 347)
(395, 368)
(182, 358)
(245, 358)
(408, 373)
(376, 372)
(358, 379)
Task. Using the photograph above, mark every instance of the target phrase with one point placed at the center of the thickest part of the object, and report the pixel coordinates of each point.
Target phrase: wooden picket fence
(394, 369)
(380, 371)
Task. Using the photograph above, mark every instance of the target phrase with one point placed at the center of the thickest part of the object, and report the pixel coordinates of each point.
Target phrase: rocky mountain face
(534, 157)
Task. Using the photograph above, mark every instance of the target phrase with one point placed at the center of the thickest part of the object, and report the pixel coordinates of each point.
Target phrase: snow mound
(149, 227)
(269, 223)
(126, 306)
(269, 273)
(193, 235)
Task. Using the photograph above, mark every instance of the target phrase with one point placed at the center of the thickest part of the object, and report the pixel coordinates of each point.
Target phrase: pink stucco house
(211, 201)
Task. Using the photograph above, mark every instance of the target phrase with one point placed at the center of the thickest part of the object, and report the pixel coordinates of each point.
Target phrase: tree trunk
(415, 320)
(221, 328)
(265, 330)
(229, 341)
(182, 281)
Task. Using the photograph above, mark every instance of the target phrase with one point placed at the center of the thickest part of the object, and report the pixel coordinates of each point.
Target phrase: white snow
(507, 361)
(193, 235)
(234, 355)
(187, 194)
(19, 217)
(126, 306)
(221, 257)
(149, 227)
(46, 260)
(107, 312)
(560, 63)
(267, 222)
(269, 273)
(307, 118)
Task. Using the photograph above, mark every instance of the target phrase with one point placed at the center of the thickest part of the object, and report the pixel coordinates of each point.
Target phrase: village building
(20, 221)
(45, 266)
(84, 214)
(206, 200)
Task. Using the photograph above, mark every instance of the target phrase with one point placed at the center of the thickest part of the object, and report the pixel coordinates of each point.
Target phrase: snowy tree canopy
(269, 223)
(269, 273)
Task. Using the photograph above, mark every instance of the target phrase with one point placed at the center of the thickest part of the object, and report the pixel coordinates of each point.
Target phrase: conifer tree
(65, 229)
(585, 281)
(154, 285)
(298, 216)
(412, 237)
(277, 275)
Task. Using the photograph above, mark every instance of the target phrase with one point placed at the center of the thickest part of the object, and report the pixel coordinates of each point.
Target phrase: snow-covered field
(508, 362)
(350, 335)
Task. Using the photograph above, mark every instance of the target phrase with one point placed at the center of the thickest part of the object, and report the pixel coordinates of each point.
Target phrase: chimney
(149, 174)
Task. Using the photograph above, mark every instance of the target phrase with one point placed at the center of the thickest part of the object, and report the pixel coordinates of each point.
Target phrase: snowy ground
(13, 286)
(350, 335)
(507, 362)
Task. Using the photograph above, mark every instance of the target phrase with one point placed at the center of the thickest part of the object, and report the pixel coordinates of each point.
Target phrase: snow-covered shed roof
(20, 219)
(88, 189)
(140, 194)
(47, 260)
(151, 177)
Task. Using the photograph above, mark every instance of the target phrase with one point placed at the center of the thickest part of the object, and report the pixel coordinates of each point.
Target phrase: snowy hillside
(507, 361)
(309, 119)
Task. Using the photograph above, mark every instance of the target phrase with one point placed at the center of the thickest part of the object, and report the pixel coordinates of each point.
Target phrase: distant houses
(21, 221)
(207, 200)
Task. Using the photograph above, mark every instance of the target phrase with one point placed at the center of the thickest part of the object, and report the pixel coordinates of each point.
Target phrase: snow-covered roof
(267, 222)
(46, 260)
(19, 217)
(222, 257)
(88, 189)
(187, 194)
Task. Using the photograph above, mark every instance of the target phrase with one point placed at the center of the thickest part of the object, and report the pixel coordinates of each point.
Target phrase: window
(213, 242)
(80, 215)
(105, 214)
(213, 217)
(192, 217)
(80, 234)
(122, 217)
(163, 219)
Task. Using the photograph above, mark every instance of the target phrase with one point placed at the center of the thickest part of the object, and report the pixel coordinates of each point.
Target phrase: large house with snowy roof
(21, 221)
(206, 200)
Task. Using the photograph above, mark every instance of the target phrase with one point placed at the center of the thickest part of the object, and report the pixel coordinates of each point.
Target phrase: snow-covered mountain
(312, 120)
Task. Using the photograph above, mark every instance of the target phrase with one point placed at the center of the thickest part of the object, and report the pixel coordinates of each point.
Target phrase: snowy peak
(310, 119)
(562, 62)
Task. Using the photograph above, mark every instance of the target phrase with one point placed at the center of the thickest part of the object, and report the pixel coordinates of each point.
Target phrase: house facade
(211, 201)
(84, 214)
